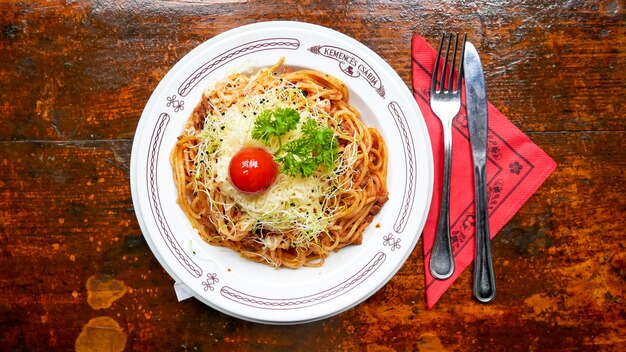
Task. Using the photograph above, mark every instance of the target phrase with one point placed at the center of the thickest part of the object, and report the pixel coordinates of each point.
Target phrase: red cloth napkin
(516, 168)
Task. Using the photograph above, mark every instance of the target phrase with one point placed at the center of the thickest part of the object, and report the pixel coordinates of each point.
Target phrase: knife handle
(484, 279)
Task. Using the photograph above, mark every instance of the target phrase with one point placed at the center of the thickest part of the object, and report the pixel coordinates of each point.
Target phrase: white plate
(256, 292)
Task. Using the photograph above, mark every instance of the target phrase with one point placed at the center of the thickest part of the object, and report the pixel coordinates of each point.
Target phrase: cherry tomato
(252, 170)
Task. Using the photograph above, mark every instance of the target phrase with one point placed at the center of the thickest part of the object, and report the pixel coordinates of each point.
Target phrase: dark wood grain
(75, 77)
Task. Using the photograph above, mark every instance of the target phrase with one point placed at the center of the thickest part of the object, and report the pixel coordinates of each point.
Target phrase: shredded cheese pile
(299, 204)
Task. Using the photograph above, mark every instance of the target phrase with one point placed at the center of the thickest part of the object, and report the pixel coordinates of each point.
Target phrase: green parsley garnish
(317, 145)
(274, 123)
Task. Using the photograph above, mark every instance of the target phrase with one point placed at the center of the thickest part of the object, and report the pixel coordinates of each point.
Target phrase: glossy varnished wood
(76, 273)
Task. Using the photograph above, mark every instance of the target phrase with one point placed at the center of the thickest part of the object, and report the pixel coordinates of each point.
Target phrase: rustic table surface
(76, 272)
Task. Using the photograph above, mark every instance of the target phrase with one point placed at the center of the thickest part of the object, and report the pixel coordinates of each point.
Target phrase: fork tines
(448, 86)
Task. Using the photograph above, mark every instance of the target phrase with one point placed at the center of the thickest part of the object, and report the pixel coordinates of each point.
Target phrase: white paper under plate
(252, 291)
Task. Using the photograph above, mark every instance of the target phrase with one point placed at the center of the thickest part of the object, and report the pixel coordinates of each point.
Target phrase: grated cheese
(294, 205)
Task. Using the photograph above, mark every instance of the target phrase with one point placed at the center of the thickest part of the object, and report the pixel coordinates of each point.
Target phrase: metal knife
(476, 103)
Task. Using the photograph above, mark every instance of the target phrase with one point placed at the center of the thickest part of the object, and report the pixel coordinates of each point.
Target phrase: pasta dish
(279, 167)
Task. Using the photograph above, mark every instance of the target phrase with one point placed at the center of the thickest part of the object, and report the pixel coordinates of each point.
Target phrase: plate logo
(351, 65)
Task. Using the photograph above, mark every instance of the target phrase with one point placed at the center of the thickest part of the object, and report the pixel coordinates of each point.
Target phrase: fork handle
(441, 259)
(484, 279)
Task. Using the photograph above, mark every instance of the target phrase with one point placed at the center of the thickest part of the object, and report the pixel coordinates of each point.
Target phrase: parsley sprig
(274, 123)
(317, 145)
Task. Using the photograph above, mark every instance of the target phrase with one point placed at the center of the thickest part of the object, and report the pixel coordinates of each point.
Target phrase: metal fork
(445, 102)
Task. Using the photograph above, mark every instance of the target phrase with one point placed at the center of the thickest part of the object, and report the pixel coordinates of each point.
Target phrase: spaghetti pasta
(298, 220)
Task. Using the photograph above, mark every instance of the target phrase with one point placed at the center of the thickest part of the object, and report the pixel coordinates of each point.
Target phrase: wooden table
(76, 271)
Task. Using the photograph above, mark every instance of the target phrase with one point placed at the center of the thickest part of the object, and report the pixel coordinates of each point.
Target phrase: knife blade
(476, 104)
